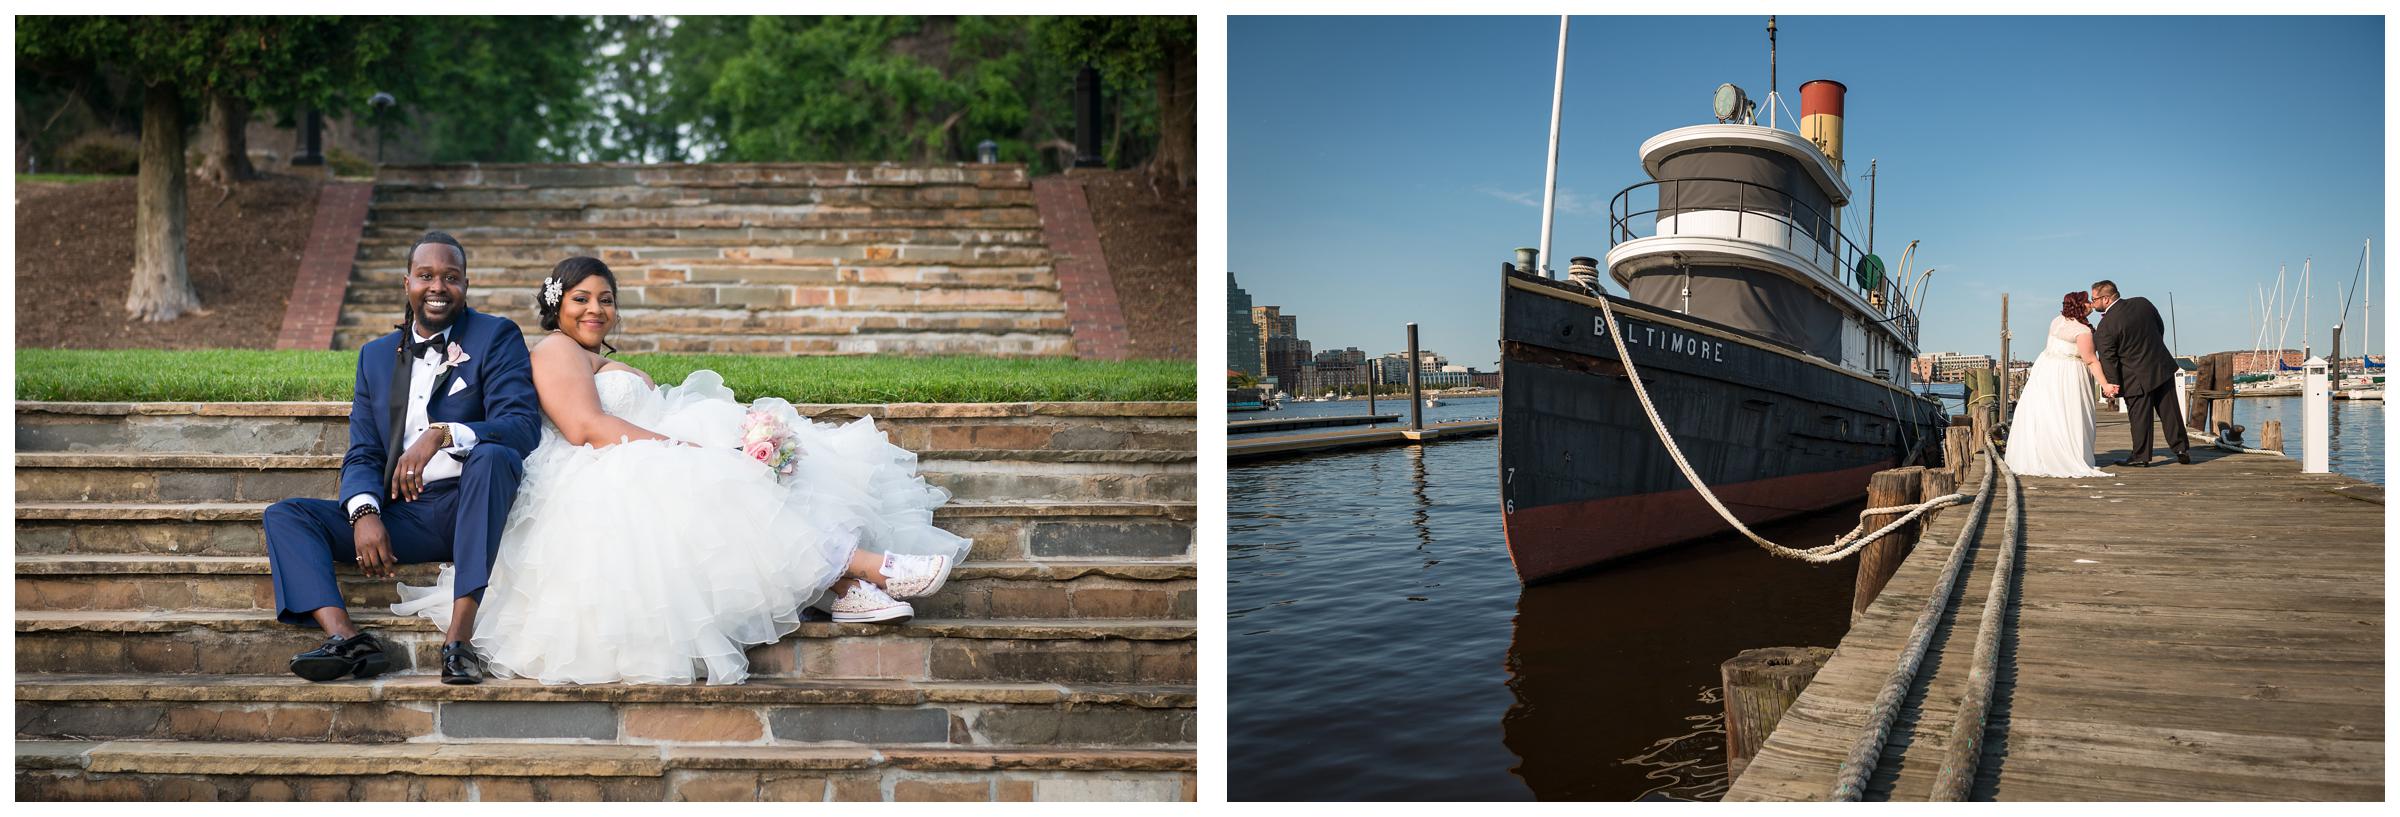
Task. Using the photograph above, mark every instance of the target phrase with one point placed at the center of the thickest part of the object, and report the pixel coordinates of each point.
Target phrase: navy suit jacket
(498, 402)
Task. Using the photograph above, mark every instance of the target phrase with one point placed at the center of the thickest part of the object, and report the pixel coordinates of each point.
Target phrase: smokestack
(1821, 116)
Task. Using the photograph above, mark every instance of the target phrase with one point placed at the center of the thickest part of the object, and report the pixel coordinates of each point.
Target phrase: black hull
(1773, 432)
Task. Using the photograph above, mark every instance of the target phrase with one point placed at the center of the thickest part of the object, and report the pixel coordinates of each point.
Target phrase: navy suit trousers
(452, 521)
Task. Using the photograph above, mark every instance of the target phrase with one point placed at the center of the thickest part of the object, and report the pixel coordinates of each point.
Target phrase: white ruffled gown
(649, 562)
(2051, 434)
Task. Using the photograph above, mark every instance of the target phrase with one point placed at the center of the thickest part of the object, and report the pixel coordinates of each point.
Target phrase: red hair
(2076, 305)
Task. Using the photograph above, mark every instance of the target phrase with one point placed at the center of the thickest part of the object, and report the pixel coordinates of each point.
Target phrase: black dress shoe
(2132, 464)
(359, 655)
(2182, 458)
(460, 664)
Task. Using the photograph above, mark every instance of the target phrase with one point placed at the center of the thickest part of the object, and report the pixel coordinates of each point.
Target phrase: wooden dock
(1298, 423)
(2211, 631)
(1288, 445)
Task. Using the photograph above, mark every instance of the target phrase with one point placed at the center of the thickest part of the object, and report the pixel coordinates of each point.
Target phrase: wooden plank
(2212, 631)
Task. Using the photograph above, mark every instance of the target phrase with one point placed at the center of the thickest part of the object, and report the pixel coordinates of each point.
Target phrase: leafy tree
(634, 92)
(233, 62)
(1163, 49)
(502, 89)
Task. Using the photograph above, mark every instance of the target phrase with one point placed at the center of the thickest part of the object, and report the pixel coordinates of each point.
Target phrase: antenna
(1870, 204)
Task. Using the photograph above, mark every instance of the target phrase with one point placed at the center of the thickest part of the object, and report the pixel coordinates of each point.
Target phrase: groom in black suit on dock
(2132, 347)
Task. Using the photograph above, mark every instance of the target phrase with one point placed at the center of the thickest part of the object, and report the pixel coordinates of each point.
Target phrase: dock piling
(1958, 447)
(1882, 557)
(1759, 685)
(2271, 436)
(1416, 397)
(1938, 482)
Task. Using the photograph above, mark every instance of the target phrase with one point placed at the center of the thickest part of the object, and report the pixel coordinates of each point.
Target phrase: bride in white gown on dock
(2051, 434)
(646, 546)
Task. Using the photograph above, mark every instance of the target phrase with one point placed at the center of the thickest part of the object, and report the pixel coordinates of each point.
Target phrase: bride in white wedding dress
(645, 546)
(2051, 433)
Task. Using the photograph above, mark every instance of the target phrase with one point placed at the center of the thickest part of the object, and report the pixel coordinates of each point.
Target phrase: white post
(1558, 91)
(2183, 394)
(2316, 405)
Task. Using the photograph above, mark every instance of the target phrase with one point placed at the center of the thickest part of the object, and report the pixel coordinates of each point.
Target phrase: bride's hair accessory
(551, 292)
(2075, 306)
(768, 441)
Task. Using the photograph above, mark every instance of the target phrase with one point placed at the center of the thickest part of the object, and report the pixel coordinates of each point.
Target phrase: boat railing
(1761, 214)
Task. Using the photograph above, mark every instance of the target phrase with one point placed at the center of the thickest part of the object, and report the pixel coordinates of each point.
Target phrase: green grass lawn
(225, 375)
(64, 178)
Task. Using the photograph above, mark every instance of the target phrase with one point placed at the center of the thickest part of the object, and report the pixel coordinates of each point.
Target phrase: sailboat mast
(2308, 301)
(1558, 91)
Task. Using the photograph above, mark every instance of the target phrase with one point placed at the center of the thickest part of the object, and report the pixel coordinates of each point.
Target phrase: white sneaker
(909, 577)
(864, 604)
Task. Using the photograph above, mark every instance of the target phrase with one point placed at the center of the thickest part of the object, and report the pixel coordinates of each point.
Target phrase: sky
(1380, 169)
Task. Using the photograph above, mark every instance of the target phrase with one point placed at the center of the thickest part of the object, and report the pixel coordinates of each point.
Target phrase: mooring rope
(1841, 548)
(1965, 752)
(1851, 781)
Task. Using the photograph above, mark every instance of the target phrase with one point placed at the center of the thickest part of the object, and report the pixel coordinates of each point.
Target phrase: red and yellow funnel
(1821, 116)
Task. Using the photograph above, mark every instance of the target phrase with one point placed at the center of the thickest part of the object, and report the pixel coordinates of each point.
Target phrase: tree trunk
(161, 289)
(1178, 114)
(225, 146)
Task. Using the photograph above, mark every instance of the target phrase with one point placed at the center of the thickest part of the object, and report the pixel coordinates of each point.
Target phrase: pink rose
(762, 451)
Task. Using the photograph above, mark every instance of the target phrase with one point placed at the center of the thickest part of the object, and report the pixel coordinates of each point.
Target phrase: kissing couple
(602, 528)
(2052, 432)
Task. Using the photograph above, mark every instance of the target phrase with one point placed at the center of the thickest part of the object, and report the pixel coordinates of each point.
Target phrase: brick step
(1016, 345)
(777, 712)
(1116, 651)
(767, 307)
(324, 427)
(192, 771)
(749, 174)
(735, 271)
(403, 197)
(470, 224)
(976, 589)
(531, 247)
(1135, 476)
(1035, 532)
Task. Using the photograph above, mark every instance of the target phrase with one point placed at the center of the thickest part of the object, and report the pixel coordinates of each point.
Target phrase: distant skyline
(1382, 168)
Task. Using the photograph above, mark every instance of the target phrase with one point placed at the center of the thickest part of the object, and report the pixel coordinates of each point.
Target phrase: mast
(2308, 302)
(1771, 86)
(1558, 90)
(2366, 343)
(1870, 206)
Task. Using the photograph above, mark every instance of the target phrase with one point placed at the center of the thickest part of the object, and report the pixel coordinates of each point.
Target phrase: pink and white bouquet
(770, 442)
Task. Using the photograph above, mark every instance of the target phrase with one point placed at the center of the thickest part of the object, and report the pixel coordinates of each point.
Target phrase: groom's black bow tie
(417, 350)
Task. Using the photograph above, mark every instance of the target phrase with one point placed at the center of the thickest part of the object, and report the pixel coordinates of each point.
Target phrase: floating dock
(1298, 423)
(2212, 631)
(1289, 445)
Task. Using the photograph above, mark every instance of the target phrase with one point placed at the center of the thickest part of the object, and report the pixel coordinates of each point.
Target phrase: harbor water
(1380, 647)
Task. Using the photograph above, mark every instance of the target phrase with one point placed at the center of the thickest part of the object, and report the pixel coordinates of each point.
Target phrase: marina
(1298, 423)
(2148, 650)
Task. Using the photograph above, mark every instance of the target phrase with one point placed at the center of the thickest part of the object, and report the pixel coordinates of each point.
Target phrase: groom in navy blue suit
(441, 418)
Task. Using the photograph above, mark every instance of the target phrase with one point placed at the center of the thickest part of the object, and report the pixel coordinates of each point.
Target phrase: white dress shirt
(422, 373)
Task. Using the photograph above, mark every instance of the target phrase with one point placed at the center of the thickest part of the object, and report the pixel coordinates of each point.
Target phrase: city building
(1241, 332)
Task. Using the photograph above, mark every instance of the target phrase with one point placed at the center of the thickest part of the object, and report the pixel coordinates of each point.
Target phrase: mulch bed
(75, 262)
(1151, 238)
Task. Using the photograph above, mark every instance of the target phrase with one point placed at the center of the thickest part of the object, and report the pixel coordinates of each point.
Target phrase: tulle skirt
(2051, 434)
(649, 562)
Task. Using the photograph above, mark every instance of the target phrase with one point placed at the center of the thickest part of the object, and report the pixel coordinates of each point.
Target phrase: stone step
(526, 247)
(387, 244)
(976, 589)
(775, 712)
(754, 174)
(953, 344)
(1031, 532)
(324, 427)
(192, 771)
(372, 281)
(1131, 476)
(769, 310)
(598, 222)
(244, 643)
(409, 197)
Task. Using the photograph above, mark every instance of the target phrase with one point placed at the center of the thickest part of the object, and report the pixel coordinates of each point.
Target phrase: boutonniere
(453, 357)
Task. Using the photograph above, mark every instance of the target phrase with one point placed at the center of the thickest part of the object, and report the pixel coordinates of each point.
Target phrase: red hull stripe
(1555, 539)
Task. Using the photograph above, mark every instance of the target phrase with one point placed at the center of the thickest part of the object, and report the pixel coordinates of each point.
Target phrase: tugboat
(1773, 349)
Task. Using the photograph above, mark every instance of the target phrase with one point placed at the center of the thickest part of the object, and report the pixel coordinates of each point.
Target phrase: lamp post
(987, 151)
(381, 102)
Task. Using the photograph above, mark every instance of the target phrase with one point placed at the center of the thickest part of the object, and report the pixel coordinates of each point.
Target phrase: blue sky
(1380, 169)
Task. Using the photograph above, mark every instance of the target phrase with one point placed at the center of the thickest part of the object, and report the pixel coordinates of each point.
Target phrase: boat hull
(1774, 433)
